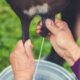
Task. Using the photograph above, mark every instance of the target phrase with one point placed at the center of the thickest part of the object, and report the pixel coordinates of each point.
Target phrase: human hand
(22, 61)
(61, 39)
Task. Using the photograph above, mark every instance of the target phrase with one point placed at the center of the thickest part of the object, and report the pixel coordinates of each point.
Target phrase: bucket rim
(57, 67)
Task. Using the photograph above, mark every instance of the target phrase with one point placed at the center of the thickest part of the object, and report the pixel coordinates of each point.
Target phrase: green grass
(10, 33)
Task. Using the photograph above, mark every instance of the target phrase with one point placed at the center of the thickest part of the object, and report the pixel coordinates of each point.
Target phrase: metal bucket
(46, 71)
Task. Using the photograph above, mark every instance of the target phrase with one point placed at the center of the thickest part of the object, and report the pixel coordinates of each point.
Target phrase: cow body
(27, 9)
(34, 7)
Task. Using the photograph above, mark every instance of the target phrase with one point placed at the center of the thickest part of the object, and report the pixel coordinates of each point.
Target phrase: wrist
(74, 51)
(22, 77)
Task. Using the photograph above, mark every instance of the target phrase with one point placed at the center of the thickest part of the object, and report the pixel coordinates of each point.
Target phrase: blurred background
(10, 33)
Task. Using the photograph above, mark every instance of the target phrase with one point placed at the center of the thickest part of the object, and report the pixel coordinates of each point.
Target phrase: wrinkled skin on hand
(22, 61)
(61, 39)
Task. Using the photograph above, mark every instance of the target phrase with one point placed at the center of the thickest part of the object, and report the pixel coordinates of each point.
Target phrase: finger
(19, 54)
(39, 32)
(19, 60)
(12, 62)
(57, 20)
(59, 23)
(52, 26)
(48, 36)
(19, 47)
(40, 23)
(19, 51)
(28, 48)
(38, 27)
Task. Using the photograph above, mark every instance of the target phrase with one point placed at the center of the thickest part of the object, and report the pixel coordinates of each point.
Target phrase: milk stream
(40, 53)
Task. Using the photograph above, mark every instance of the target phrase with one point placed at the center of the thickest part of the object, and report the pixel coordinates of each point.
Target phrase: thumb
(28, 43)
(51, 26)
(28, 48)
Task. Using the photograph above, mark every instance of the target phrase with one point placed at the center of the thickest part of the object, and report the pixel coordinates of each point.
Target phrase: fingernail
(20, 43)
(28, 43)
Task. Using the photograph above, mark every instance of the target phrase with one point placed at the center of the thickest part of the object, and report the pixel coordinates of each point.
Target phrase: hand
(22, 61)
(61, 39)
